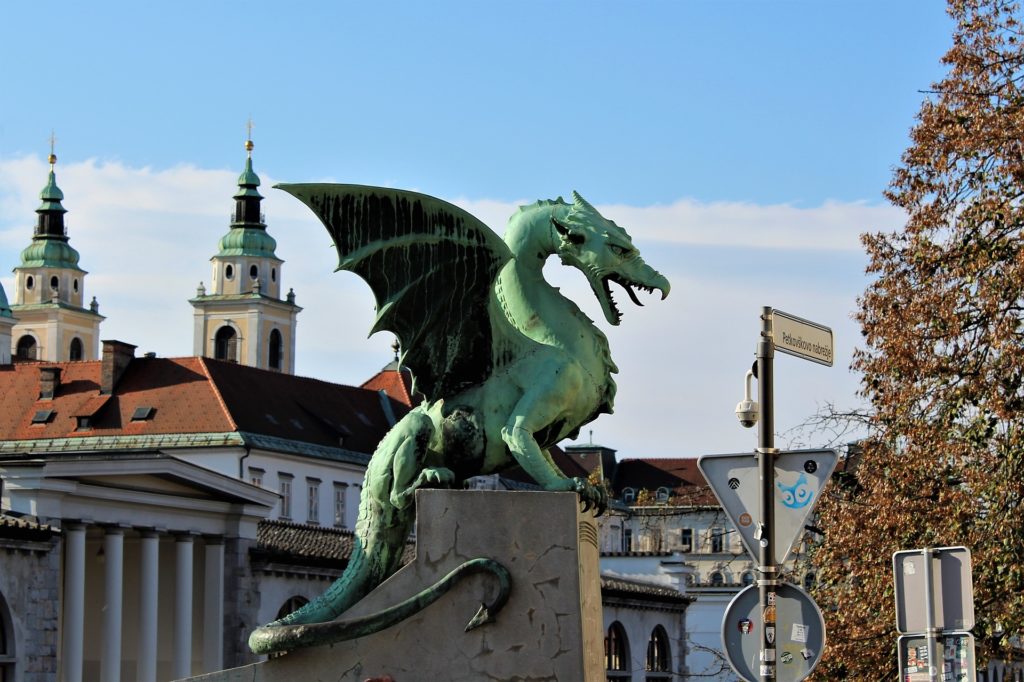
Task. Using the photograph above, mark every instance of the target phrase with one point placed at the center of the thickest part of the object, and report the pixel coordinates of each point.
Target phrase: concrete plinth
(551, 628)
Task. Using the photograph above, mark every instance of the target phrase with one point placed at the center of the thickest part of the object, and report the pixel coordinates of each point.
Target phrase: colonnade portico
(149, 541)
(132, 565)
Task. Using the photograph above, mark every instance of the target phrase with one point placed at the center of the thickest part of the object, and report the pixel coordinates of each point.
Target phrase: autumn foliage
(942, 362)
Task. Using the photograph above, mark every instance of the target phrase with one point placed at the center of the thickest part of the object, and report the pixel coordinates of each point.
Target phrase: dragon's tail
(273, 637)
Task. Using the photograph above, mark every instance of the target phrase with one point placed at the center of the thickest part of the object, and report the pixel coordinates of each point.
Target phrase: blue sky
(744, 144)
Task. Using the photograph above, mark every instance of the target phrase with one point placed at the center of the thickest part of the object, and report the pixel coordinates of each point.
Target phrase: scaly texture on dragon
(507, 365)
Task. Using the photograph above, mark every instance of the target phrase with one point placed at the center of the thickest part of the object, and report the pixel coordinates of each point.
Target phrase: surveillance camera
(747, 409)
(747, 412)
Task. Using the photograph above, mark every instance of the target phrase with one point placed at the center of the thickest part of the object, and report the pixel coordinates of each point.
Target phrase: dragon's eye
(620, 251)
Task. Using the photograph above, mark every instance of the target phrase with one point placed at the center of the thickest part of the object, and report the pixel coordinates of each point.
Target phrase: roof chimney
(49, 380)
(116, 356)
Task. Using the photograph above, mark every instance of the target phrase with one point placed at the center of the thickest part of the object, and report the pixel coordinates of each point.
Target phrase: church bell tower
(53, 324)
(242, 317)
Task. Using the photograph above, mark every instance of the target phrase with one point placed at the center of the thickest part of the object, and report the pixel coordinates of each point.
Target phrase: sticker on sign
(802, 338)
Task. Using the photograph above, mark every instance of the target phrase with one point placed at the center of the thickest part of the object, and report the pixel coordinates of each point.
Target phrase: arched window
(273, 274)
(293, 604)
(30, 282)
(27, 349)
(274, 350)
(628, 495)
(616, 652)
(717, 579)
(661, 495)
(747, 579)
(8, 660)
(229, 271)
(254, 272)
(54, 283)
(659, 658)
(225, 344)
(75, 352)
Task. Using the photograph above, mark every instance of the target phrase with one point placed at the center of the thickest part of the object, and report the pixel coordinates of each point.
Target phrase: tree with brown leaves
(943, 362)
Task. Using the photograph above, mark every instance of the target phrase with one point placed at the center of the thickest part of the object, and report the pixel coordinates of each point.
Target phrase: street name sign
(800, 476)
(794, 622)
(952, 589)
(956, 651)
(804, 339)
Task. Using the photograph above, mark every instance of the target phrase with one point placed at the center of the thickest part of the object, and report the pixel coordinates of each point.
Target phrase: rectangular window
(256, 476)
(717, 537)
(627, 540)
(313, 497)
(286, 495)
(339, 504)
(686, 540)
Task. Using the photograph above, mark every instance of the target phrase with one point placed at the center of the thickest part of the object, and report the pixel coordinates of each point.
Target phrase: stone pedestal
(550, 629)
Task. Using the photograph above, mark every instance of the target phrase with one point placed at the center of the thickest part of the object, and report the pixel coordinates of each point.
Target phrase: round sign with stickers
(795, 627)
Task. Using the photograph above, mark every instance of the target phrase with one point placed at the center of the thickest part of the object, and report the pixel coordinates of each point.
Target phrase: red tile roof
(396, 383)
(681, 476)
(192, 395)
(308, 545)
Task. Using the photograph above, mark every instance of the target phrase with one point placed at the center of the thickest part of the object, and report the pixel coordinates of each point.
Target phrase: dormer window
(662, 494)
(43, 416)
(143, 413)
(628, 495)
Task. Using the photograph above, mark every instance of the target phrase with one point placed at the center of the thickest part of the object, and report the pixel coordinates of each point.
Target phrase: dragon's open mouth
(628, 286)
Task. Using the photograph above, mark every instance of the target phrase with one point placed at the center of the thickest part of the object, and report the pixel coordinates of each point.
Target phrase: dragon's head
(604, 253)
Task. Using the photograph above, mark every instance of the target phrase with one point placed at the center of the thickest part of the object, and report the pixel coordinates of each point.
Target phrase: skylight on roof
(42, 416)
(143, 413)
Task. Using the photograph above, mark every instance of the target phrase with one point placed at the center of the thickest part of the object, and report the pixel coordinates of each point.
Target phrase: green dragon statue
(507, 365)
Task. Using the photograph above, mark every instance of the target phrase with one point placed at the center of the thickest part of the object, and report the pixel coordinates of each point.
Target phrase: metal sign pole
(934, 661)
(766, 470)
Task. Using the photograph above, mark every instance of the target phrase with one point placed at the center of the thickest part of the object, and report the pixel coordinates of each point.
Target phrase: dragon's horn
(579, 203)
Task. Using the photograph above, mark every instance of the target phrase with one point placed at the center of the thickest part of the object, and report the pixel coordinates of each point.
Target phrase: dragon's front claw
(592, 496)
(436, 477)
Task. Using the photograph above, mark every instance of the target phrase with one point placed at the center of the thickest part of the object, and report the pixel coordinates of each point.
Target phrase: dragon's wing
(431, 266)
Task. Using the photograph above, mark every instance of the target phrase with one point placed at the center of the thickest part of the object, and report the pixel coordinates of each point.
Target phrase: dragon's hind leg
(410, 470)
(386, 513)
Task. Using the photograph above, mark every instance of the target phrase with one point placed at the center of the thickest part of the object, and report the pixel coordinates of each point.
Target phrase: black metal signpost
(816, 347)
(766, 475)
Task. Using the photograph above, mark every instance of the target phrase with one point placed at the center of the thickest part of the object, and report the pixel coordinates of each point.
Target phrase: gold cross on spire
(53, 142)
(248, 136)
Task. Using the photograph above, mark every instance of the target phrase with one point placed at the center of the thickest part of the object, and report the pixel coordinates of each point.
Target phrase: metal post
(766, 470)
(934, 660)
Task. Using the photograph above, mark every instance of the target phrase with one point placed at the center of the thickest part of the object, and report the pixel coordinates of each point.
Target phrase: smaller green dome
(49, 253)
(51, 196)
(248, 241)
(248, 181)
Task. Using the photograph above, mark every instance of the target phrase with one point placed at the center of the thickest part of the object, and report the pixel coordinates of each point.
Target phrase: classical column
(149, 584)
(213, 607)
(74, 601)
(113, 580)
(182, 664)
